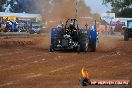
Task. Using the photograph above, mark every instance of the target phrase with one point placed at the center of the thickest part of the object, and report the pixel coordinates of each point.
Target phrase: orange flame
(84, 73)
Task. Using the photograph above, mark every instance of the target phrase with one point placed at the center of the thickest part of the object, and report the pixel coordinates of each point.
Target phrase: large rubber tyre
(92, 46)
(126, 37)
(58, 36)
(84, 41)
(84, 46)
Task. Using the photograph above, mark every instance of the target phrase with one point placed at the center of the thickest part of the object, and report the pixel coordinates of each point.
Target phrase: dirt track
(26, 63)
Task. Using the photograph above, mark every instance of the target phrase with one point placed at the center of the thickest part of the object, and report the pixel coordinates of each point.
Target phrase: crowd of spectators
(14, 26)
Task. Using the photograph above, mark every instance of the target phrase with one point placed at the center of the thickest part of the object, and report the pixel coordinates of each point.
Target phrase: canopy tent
(20, 15)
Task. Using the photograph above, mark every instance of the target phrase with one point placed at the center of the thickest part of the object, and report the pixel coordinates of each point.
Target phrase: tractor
(71, 37)
(128, 30)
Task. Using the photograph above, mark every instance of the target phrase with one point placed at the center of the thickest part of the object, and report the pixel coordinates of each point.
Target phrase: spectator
(7, 26)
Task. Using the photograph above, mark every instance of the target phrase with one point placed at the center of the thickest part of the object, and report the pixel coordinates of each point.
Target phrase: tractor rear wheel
(57, 37)
(84, 46)
(84, 42)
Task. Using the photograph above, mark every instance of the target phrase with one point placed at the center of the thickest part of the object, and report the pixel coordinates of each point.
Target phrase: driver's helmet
(72, 22)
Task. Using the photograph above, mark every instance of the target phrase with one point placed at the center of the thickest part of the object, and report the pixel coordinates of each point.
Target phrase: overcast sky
(96, 6)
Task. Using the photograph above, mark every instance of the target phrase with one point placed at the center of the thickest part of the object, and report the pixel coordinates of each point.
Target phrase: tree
(1, 4)
(18, 6)
(122, 8)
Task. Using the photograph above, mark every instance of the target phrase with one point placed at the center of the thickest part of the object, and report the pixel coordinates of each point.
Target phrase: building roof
(20, 15)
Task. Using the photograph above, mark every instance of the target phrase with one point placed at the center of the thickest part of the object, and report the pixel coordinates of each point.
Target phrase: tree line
(122, 8)
(19, 6)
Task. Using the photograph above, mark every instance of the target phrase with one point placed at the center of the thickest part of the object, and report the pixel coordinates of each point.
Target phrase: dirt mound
(6, 41)
(37, 41)
(15, 43)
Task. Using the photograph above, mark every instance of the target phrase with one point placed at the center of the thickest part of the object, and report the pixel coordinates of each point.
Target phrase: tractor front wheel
(84, 46)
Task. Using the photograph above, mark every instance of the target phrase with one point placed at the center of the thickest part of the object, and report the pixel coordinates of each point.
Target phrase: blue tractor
(71, 37)
(128, 30)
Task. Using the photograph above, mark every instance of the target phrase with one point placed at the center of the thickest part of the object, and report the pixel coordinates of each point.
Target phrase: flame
(84, 73)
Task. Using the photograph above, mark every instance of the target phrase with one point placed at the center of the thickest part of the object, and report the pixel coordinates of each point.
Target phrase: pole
(75, 4)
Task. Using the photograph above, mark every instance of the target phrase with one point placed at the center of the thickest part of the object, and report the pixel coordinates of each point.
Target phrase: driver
(72, 26)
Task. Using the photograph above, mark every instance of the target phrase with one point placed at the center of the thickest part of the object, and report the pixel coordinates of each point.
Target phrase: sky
(97, 7)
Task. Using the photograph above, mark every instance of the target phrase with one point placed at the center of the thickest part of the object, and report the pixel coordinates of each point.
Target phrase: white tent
(20, 15)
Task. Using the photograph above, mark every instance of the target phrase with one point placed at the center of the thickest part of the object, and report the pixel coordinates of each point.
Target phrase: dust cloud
(107, 43)
(42, 42)
(54, 11)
